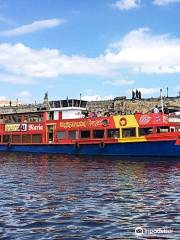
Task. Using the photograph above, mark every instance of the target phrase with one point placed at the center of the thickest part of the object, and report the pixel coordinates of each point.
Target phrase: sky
(100, 49)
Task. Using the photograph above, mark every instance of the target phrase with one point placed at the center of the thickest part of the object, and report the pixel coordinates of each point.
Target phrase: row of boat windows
(26, 117)
(24, 138)
(110, 133)
(84, 134)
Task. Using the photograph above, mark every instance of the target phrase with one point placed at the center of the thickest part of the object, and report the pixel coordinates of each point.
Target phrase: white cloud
(96, 97)
(143, 52)
(149, 91)
(2, 98)
(25, 94)
(146, 91)
(14, 79)
(22, 60)
(165, 2)
(139, 51)
(33, 27)
(120, 82)
(126, 4)
(6, 20)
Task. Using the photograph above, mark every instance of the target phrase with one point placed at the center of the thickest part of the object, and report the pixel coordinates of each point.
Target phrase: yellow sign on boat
(12, 127)
(15, 127)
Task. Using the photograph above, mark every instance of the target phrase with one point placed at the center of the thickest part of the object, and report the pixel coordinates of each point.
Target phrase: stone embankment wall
(121, 104)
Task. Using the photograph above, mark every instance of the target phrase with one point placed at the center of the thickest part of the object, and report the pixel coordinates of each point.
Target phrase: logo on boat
(105, 122)
(158, 118)
(23, 127)
(139, 231)
(144, 119)
(33, 127)
(88, 123)
(16, 127)
(123, 121)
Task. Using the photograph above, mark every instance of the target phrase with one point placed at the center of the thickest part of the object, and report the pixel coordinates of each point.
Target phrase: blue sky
(99, 48)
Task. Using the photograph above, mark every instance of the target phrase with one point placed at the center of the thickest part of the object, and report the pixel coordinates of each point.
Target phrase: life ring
(105, 122)
(123, 121)
(77, 146)
(102, 144)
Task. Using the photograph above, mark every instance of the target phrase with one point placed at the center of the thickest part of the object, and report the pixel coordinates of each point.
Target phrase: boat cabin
(38, 126)
(63, 122)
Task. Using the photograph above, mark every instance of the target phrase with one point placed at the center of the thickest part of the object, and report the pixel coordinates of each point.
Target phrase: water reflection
(69, 197)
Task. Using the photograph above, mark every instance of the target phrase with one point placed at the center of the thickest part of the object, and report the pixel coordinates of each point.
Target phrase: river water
(68, 197)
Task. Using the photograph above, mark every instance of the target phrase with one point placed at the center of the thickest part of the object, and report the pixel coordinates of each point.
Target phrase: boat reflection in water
(68, 197)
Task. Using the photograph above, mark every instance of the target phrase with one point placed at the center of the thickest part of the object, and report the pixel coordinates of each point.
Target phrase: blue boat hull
(144, 149)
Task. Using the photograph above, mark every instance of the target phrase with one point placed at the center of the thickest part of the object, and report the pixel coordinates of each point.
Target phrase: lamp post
(80, 100)
(162, 104)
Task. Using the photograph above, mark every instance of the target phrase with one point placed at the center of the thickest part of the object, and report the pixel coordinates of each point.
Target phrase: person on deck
(156, 110)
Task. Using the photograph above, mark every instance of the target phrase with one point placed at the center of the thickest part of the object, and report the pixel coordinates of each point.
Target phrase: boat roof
(60, 105)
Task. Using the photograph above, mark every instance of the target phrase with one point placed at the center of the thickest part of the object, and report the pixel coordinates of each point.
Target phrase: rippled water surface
(59, 197)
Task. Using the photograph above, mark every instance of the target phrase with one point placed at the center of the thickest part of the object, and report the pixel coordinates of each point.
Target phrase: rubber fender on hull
(77, 146)
(8, 145)
(102, 144)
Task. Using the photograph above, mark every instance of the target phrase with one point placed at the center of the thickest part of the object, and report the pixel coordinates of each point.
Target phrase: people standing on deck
(136, 94)
(156, 110)
(133, 94)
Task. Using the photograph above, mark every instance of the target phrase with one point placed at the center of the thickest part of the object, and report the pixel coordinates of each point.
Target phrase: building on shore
(128, 106)
(117, 105)
(5, 102)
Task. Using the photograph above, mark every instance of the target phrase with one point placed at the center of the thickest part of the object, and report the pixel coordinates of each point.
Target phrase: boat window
(26, 138)
(6, 119)
(50, 115)
(163, 129)
(11, 118)
(98, 133)
(15, 118)
(70, 103)
(16, 138)
(61, 135)
(172, 129)
(145, 131)
(36, 138)
(128, 132)
(33, 117)
(113, 133)
(73, 134)
(1, 119)
(85, 134)
(6, 138)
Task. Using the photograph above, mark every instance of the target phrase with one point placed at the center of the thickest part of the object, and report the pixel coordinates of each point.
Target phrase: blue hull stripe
(162, 148)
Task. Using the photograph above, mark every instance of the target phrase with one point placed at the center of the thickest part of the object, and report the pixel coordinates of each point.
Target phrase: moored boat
(64, 129)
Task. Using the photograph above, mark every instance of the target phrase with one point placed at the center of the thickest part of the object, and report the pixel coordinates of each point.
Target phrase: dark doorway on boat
(50, 133)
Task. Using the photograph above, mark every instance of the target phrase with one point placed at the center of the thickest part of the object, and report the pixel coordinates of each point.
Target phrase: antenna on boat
(67, 100)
